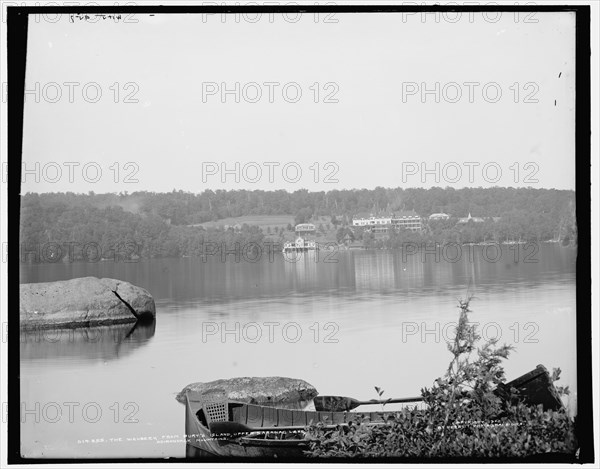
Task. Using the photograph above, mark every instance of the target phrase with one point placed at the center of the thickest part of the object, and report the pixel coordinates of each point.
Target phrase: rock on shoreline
(83, 302)
(272, 389)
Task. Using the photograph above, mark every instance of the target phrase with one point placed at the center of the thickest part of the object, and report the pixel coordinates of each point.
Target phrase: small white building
(439, 216)
(300, 245)
(470, 218)
(305, 228)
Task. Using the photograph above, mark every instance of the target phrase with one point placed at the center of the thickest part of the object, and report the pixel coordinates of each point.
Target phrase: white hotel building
(381, 224)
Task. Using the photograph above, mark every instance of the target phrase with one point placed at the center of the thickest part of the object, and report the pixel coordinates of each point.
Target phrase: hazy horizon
(197, 102)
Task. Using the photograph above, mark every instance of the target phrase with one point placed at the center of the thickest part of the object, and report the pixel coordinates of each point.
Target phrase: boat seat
(215, 405)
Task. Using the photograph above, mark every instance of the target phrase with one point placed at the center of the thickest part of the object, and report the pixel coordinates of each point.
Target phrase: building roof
(406, 214)
(356, 245)
(305, 227)
(400, 214)
(470, 218)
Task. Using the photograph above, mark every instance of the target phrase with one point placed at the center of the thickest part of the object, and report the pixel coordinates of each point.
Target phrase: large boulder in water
(83, 302)
(271, 389)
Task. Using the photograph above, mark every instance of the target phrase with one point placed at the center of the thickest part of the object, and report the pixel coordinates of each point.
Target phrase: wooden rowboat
(288, 444)
(271, 432)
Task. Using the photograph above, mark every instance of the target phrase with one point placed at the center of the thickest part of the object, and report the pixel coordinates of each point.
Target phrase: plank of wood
(255, 416)
(286, 417)
(270, 417)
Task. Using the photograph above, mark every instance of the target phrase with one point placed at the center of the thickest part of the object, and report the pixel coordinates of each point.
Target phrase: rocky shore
(270, 389)
(83, 302)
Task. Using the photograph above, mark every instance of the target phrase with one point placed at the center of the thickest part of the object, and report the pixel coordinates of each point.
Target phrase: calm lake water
(369, 318)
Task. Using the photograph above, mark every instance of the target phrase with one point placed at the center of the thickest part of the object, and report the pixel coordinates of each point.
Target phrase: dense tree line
(78, 222)
(160, 222)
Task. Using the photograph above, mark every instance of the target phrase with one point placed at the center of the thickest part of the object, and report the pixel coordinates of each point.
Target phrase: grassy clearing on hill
(262, 221)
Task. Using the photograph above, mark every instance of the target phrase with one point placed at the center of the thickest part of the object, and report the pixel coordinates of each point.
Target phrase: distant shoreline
(274, 249)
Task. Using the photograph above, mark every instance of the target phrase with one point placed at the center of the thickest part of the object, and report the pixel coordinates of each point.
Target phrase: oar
(236, 428)
(341, 404)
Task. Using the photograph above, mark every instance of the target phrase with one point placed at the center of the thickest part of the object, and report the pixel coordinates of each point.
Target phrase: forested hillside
(159, 222)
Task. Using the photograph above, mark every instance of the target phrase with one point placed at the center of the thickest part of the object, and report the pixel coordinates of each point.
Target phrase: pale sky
(376, 134)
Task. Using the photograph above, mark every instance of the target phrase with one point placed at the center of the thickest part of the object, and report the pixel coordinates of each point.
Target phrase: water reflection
(86, 343)
(214, 279)
(369, 296)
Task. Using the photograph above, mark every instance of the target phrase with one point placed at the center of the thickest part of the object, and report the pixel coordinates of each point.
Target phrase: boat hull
(202, 445)
(291, 446)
